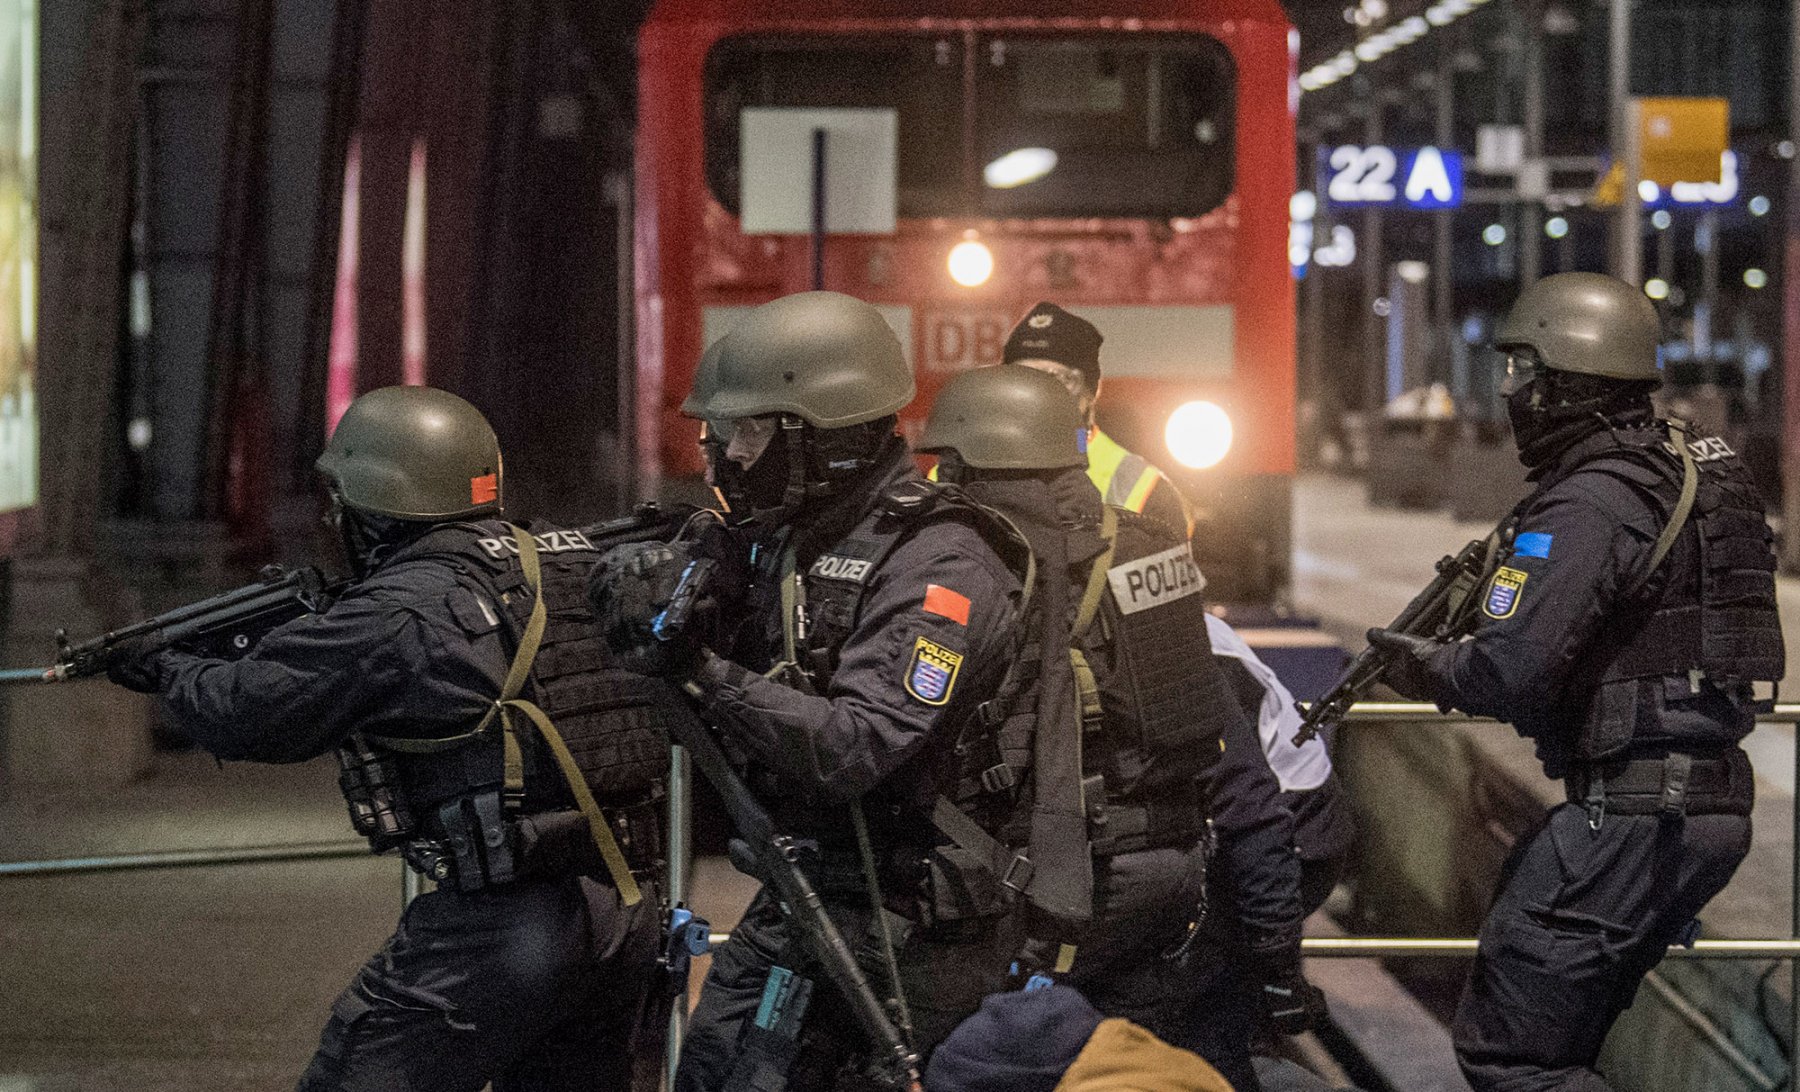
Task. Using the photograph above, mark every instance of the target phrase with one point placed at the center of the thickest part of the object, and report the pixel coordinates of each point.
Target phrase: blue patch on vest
(1081, 439)
(1532, 544)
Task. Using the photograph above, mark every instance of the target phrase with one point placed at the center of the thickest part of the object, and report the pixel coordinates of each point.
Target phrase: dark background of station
(193, 158)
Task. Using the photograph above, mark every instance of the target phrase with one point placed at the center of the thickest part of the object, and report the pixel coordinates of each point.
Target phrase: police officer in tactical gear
(1067, 347)
(875, 617)
(455, 679)
(1156, 738)
(1629, 611)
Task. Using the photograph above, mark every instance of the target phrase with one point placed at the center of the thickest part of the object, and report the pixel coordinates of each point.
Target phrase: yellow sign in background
(1682, 139)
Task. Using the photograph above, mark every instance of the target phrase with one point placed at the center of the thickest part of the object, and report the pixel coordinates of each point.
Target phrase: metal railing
(681, 854)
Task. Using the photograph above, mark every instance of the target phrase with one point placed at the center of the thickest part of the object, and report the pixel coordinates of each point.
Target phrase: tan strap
(1684, 506)
(1096, 585)
(790, 604)
(616, 867)
(513, 754)
(1087, 692)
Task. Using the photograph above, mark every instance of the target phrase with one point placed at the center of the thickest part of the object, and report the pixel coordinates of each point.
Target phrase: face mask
(1525, 411)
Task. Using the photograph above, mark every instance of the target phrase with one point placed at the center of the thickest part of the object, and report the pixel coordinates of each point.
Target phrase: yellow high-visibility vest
(1123, 478)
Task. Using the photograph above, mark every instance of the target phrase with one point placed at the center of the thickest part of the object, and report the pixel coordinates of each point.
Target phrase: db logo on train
(957, 340)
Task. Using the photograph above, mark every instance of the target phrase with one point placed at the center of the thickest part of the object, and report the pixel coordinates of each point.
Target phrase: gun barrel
(13, 676)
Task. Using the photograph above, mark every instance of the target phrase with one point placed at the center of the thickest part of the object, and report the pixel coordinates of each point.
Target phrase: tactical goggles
(1523, 367)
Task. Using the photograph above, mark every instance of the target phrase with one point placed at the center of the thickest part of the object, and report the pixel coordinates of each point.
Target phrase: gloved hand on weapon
(136, 664)
(631, 585)
(1408, 668)
(1290, 1004)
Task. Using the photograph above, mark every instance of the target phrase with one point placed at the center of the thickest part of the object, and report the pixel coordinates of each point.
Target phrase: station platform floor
(218, 979)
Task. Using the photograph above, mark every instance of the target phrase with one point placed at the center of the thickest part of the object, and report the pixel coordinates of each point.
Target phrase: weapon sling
(503, 708)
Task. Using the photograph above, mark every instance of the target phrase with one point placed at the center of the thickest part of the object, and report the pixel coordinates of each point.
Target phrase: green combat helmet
(1007, 417)
(1586, 323)
(826, 358)
(414, 453)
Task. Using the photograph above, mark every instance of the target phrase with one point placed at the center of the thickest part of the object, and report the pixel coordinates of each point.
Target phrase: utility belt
(1670, 785)
(470, 844)
(1157, 824)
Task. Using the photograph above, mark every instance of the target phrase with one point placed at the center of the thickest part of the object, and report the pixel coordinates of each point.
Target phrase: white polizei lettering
(832, 567)
(1155, 580)
(493, 547)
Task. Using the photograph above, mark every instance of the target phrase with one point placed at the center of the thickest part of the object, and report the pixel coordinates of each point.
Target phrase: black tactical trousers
(537, 986)
(1205, 1003)
(1581, 916)
(945, 971)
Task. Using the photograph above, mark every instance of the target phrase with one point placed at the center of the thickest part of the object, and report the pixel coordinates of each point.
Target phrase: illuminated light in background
(1413, 272)
(1303, 206)
(412, 272)
(1649, 191)
(1656, 288)
(1494, 234)
(1383, 307)
(971, 263)
(1414, 28)
(1340, 251)
(1785, 150)
(1198, 435)
(1369, 51)
(1019, 167)
(340, 369)
(1755, 278)
(1556, 227)
(1344, 62)
(1439, 15)
(1759, 205)
(1660, 219)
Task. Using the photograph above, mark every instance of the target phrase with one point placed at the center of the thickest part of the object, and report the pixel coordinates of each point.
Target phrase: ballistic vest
(1706, 616)
(612, 722)
(965, 870)
(1146, 685)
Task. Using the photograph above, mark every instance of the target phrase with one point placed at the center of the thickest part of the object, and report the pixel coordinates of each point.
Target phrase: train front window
(1140, 125)
(919, 77)
(1131, 125)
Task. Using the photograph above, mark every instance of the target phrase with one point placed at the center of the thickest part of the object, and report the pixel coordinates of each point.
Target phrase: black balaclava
(802, 466)
(367, 539)
(1558, 409)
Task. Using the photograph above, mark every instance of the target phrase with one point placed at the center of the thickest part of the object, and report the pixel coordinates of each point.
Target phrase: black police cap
(1047, 332)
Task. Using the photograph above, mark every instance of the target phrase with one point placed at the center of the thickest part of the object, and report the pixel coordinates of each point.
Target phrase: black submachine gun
(1444, 611)
(894, 1063)
(226, 626)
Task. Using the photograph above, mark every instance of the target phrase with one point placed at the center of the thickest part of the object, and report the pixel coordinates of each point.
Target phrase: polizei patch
(838, 567)
(931, 674)
(1503, 593)
(1157, 579)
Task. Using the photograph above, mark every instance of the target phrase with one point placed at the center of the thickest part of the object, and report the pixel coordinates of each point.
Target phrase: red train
(1131, 160)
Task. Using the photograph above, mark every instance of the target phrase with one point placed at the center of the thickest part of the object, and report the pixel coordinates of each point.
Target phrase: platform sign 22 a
(1374, 174)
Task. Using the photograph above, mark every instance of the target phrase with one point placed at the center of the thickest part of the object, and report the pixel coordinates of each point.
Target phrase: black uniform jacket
(1579, 544)
(388, 658)
(941, 588)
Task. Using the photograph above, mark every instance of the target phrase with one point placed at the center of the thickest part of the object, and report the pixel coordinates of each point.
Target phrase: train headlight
(1198, 435)
(971, 263)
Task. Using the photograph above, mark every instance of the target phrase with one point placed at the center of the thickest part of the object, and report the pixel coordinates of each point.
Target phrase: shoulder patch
(947, 603)
(1532, 544)
(931, 673)
(1503, 593)
(1156, 579)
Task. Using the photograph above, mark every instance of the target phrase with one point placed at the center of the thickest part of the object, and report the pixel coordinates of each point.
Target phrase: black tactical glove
(136, 664)
(1290, 1004)
(1408, 670)
(629, 586)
